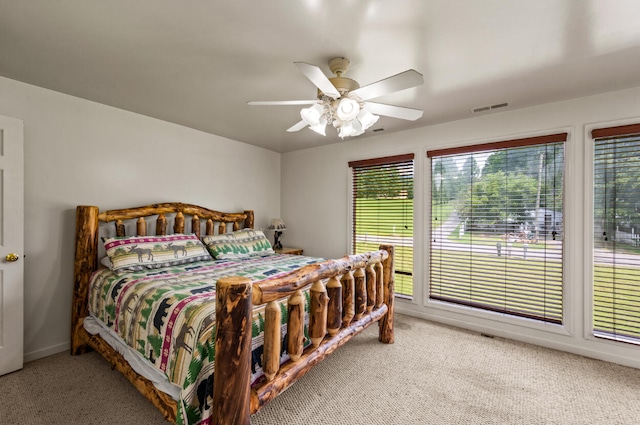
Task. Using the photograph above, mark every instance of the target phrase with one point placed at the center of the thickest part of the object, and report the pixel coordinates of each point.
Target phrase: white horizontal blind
(383, 212)
(616, 250)
(497, 227)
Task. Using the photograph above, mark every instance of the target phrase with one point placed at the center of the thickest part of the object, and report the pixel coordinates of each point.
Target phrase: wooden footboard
(358, 293)
(347, 296)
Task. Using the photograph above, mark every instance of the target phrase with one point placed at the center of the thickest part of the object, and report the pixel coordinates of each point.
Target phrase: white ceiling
(197, 63)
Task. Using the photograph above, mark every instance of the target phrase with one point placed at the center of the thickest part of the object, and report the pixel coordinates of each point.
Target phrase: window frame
(379, 160)
(592, 132)
(566, 328)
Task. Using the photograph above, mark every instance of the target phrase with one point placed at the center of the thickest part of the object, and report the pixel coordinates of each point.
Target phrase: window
(616, 222)
(497, 227)
(383, 212)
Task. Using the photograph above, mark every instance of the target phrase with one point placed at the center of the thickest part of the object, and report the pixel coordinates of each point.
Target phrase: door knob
(12, 257)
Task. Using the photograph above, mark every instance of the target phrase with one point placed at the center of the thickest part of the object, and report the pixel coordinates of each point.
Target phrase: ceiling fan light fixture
(347, 109)
(313, 114)
(357, 126)
(342, 102)
(346, 129)
(320, 126)
(367, 119)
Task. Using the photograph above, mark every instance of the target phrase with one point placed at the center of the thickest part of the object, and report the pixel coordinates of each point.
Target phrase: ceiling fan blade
(318, 78)
(281, 102)
(393, 111)
(404, 80)
(297, 127)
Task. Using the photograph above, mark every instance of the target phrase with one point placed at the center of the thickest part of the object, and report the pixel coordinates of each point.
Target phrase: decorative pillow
(136, 253)
(239, 244)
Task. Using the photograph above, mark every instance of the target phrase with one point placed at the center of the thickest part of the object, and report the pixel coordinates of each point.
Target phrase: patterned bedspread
(168, 316)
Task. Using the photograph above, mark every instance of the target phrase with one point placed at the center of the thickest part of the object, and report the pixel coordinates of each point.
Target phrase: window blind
(616, 223)
(383, 212)
(497, 227)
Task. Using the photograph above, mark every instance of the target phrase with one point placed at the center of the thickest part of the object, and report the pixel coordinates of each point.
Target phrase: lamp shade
(367, 119)
(277, 224)
(320, 126)
(312, 115)
(357, 127)
(346, 129)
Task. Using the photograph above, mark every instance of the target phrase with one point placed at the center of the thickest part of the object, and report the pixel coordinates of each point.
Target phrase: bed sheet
(168, 317)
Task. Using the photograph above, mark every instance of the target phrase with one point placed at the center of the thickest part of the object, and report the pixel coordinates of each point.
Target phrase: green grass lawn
(390, 211)
(477, 278)
(403, 262)
(624, 292)
(500, 283)
(519, 280)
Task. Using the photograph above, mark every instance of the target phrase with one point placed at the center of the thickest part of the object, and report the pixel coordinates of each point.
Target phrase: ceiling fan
(343, 103)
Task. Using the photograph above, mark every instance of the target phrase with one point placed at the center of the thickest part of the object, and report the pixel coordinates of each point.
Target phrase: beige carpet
(433, 374)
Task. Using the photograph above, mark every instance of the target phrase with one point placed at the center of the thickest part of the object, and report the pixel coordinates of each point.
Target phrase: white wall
(80, 152)
(315, 206)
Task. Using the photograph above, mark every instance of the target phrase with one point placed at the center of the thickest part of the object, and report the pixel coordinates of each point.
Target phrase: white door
(11, 244)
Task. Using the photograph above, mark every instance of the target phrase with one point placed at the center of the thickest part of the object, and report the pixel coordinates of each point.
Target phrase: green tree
(516, 160)
(526, 160)
(499, 198)
(386, 181)
(470, 170)
(446, 180)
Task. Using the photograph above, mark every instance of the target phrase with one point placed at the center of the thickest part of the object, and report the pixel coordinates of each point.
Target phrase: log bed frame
(358, 293)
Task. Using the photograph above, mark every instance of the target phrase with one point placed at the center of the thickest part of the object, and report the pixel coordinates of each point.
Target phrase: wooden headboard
(88, 229)
(197, 214)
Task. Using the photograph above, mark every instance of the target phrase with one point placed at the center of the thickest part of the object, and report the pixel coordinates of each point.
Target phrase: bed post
(232, 370)
(248, 222)
(386, 323)
(86, 261)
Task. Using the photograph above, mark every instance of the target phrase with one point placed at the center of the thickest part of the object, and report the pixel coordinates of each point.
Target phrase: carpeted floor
(433, 374)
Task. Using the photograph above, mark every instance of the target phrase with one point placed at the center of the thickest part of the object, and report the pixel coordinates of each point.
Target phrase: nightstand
(290, 251)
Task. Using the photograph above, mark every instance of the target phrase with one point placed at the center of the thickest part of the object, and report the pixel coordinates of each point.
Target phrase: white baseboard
(46, 352)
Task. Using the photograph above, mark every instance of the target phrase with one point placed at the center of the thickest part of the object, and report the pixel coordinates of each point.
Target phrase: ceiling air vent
(489, 107)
